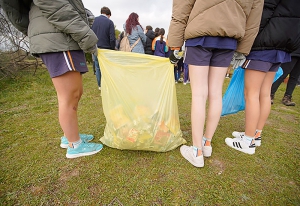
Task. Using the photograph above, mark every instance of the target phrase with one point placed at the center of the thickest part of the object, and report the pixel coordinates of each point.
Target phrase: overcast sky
(156, 13)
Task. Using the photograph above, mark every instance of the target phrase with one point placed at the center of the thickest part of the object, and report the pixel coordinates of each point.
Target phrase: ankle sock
(206, 140)
(196, 151)
(258, 133)
(76, 144)
(248, 139)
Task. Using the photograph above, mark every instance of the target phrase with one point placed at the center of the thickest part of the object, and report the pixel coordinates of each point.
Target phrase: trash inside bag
(139, 102)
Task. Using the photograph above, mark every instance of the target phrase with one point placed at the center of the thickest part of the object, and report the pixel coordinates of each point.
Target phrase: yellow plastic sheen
(139, 102)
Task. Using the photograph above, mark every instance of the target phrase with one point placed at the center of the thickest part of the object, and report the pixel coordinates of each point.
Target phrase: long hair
(161, 33)
(132, 22)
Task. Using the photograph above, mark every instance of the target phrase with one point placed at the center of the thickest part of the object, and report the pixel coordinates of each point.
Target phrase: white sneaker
(242, 134)
(240, 145)
(207, 150)
(184, 83)
(99, 88)
(187, 153)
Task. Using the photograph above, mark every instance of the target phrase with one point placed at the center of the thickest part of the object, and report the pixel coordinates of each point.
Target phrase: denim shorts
(200, 56)
(59, 63)
(261, 66)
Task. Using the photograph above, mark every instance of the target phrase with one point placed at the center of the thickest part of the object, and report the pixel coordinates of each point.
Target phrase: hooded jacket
(52, 26)
(150, 36)
(238, 19)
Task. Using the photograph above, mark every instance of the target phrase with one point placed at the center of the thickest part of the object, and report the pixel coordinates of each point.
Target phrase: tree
(14, 49)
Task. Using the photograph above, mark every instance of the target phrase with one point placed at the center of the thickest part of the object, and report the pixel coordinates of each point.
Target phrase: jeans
(98, 71)
(293, 69)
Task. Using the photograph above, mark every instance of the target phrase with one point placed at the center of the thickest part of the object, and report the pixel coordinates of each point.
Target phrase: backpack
(125, 45)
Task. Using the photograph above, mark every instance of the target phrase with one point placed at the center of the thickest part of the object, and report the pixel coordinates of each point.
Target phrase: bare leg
(264, 100)
(69, 90)
(199, 87)
(215, 84)
(253, 84)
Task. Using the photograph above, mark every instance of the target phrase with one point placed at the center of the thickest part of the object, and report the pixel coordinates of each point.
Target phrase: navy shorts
(200, 56)
(59, 63)
(261, 66)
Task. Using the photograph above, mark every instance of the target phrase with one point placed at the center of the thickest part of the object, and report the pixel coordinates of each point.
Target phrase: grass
(34, 170)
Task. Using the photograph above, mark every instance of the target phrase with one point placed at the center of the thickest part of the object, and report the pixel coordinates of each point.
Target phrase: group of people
(265, 33)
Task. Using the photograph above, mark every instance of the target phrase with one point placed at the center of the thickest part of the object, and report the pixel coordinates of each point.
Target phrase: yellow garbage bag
(139, 102)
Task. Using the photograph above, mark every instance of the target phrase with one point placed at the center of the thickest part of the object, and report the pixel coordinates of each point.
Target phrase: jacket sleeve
(142, 35)
(180, 15)
(18, 14)
(66, 18)
(252, 27)
(112, 35)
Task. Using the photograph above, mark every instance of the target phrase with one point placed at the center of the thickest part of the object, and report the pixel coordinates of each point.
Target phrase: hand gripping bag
(233, 100)
(139, 102)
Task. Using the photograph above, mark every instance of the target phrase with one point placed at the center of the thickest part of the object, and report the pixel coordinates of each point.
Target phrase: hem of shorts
(59, 74)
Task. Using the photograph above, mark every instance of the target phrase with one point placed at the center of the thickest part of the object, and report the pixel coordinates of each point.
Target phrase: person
(186, 77)
(271, 47)
(292, 69)
(60, 41)
(212, 34)
(178, 68)
(159, 44)
(150, 36)
(156, 31)
(135, 32)
(105, 30)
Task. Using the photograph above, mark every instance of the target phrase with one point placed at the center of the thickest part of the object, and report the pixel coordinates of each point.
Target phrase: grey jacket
(137, 33)
(52, 26)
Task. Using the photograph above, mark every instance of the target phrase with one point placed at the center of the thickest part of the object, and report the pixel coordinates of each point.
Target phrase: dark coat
(279, 27)
(105, 31)
(150, 36)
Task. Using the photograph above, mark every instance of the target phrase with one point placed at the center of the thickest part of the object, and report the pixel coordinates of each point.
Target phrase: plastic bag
(233, 100)
(139, 102)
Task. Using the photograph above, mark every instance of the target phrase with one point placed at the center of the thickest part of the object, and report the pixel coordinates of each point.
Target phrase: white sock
(204, 139)
(76, 144)
(196, 150)
(248, 139)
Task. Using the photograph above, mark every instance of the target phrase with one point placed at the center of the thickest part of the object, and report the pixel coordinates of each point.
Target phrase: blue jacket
(105, 30)
(137, 33)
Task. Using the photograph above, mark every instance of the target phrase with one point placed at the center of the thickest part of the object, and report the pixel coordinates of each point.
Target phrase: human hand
(237, 60)
(174, 56)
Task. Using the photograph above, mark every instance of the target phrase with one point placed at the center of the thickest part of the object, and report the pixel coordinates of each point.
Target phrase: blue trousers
(98, 71)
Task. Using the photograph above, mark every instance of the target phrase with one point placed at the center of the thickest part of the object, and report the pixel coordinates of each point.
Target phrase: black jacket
(148, 47)
(279, 27)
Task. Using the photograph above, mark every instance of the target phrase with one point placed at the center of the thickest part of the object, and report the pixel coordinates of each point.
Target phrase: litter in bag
(233, 100)
(139, 102)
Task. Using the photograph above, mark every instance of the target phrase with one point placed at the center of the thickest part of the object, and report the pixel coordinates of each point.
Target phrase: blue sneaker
(64, 143)
(84, 149)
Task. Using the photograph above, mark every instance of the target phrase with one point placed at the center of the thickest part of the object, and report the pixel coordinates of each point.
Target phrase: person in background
(104, 28)
(271, 47)
(159, 44)
(60, 41)
(186, 78)
(212, 32)
(156, 31)
(292, 69)
(150, 36)
(135, 32)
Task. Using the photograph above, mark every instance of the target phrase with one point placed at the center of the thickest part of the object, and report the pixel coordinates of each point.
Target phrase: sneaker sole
(70, 156)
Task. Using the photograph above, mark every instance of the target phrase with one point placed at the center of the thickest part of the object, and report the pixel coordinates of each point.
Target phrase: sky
(156, 13)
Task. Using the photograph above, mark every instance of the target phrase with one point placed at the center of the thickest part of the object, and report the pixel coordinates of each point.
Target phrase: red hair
(132, 22)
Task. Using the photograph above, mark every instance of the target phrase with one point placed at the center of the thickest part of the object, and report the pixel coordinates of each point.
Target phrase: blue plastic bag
(233, 100)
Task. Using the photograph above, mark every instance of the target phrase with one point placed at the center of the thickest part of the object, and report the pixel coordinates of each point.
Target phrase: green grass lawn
(35, 171)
